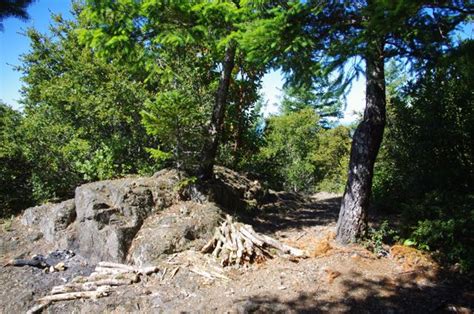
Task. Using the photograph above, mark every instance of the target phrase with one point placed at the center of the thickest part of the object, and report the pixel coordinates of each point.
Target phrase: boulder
(110, 213)
(50, 219)
(183, 226)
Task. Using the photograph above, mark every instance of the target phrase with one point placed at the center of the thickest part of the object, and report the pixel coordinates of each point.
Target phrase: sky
(13, 44)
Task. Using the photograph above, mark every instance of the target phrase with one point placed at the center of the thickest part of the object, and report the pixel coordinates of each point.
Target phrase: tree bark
(352, 222)
(214, 130)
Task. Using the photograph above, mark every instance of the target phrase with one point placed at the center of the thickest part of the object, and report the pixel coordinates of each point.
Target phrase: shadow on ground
(297, 212)
(362, 295)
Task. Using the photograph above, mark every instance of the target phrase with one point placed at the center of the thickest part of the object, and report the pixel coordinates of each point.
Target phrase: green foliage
(14, 8)
(82, 114)
(425, 168)
(15, 188)
(376, 239)
(54, 150)
(181, 45)
(176, 118)
(290, 140)
(332, 159)
(297, 154)
(185, 183)
(324, 102)
(7, 223)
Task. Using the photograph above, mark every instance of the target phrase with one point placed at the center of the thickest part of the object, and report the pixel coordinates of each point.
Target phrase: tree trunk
(214, 130)
(240, 126)
(352, 222)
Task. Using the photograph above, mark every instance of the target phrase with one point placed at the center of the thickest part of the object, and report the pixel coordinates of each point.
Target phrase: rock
(178, 228)
(35, 236)
(33, 215)
(110, 213)
(50, 219)
(58, 218)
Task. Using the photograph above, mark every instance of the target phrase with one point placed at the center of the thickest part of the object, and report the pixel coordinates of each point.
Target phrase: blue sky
(13, 44)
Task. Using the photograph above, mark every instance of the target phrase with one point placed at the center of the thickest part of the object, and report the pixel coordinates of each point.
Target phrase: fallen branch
(73, 296)
(116, 265)
(106, 277)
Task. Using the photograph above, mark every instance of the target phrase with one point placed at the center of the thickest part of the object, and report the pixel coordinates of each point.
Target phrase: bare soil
(333, 279)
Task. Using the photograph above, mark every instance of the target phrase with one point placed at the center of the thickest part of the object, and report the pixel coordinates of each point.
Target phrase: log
(114, 282)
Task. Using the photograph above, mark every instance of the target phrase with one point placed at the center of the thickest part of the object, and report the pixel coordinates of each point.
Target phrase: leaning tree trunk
(366, 142)
(209, 152)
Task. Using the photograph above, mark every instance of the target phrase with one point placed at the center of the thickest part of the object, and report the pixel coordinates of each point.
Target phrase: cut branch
(234, 243)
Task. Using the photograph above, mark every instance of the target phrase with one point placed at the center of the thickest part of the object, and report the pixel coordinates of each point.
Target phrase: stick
(206, 248)
(116, 265)
(73, 295)
(113, 271)
(164, 273)
(37, 308)
(282, 247)
(148, 270)
(210, 275)
(250, 236)
(173, 273)
(216, 251)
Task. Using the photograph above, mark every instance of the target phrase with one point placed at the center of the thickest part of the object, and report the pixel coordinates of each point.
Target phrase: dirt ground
(333, 279)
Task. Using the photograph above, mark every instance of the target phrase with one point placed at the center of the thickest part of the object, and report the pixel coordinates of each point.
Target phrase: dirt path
(334, 279)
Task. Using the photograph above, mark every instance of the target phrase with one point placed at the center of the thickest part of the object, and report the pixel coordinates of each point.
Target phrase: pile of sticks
(237, 244)
(100, 283)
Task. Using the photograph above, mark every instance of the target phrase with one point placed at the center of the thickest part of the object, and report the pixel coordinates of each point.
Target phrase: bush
(425, 167)
(15, 169)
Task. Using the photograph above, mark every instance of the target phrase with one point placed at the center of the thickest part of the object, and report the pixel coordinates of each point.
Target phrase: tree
(149, 30)
(326, 105)
(425, 168)
(15, 169)
(315, 41)
(291, 139)
(331, 158)
(13, 8)
(82, 113)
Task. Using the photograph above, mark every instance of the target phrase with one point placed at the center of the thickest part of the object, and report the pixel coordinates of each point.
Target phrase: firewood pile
(106, 277)
(235, 243)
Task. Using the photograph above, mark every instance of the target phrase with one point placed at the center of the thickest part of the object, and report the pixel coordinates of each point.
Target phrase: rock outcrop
(140, 220)
(110, 213)
(51, 219)
(183, 226)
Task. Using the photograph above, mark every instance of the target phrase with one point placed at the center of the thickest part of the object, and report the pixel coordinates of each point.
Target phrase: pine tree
(315, 42)
(13, 8)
